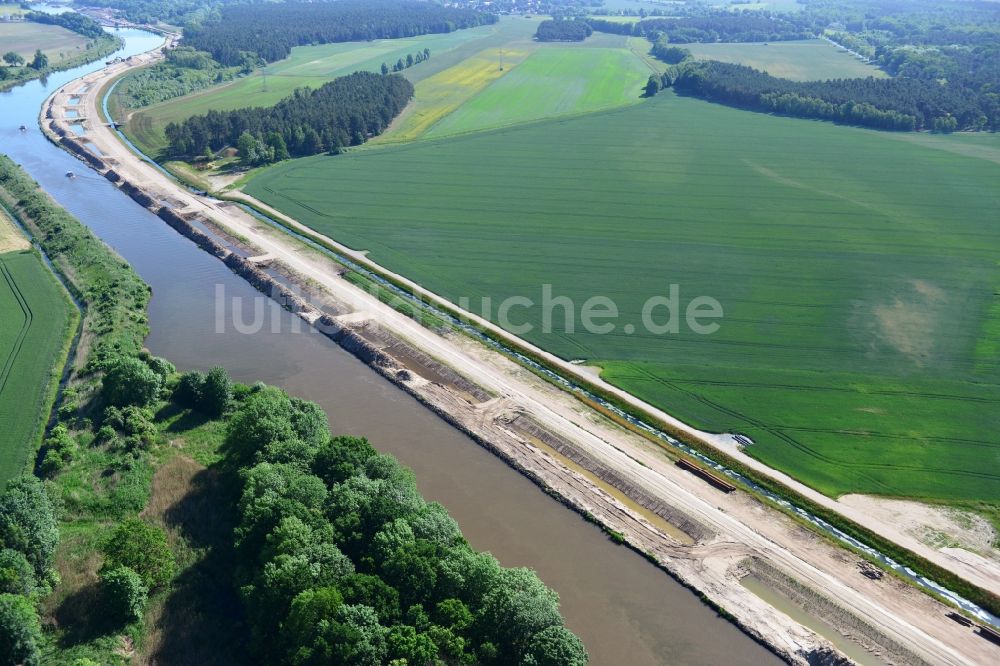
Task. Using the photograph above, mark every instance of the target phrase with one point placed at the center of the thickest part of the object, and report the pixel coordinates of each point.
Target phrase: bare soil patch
(936, 526)
(11, 238)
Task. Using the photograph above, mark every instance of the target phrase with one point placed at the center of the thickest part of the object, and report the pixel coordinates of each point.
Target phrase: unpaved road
(738, 524)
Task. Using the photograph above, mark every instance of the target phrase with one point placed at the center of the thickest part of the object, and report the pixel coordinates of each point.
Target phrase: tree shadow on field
(190, 420)
(80, 618)
(201, 620)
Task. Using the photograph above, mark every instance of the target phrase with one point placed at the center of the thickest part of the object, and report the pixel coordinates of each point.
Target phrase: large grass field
(312, 66)
(437, 96)
(56, 42)
(553, 81)
(858, 272)
(806, 60)
(36, 319)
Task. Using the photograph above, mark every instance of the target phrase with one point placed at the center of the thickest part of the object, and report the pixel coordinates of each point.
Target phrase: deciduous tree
(142, 548)
(28, 522)
(125, 594)
(20, 631)
(40, 61)
(130, 381)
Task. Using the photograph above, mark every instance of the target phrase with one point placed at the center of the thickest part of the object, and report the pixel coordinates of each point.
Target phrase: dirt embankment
(847, 624)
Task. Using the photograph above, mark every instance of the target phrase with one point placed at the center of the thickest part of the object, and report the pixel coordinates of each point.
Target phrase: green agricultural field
(805, 60)
(36, 320)
(437, 96)
(858, 272)
(56, 42)
(554, 81)
(313, 66)
(984, 145)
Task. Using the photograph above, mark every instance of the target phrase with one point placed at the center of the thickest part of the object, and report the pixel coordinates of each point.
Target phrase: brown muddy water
(625, 610)
(820, 626)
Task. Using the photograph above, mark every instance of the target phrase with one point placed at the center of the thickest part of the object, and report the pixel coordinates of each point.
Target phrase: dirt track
(733, 527)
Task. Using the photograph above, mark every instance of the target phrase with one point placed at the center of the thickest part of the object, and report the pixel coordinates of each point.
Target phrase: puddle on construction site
(656, 521)
(92, 148)
(824, 629)
(624, 609)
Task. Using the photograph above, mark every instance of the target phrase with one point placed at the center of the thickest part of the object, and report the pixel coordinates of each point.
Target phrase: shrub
(556, 646)
(20, 631)
(16, 574)
(60, 450)
(131, 421)
(143, 549)
(28, 522)
(217, 391)
(125, 594)
(129, 381)
(188, 392)
(265, 417)
(105, 435)
(161, 367)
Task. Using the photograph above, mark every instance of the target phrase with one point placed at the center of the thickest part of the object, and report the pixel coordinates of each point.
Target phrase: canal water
(625, 610)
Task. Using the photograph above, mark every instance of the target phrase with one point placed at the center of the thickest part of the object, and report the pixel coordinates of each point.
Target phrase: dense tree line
(896, 104)
(29, 535)
(672, 55)
(78, 23)
(343, 112)
(563, 31)
(340, 560)
(174, 12)
(553, 8)
(715, 26)
(958, 42)
(272, 30)
(410, 60)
